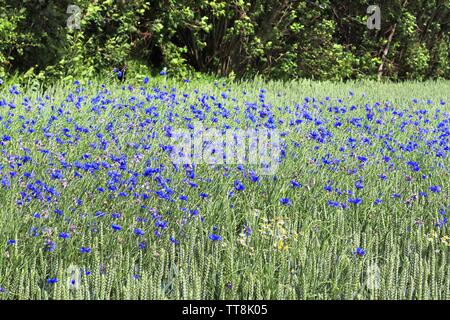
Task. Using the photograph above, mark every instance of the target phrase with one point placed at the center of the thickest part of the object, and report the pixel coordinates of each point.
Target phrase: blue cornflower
(359, 252)
(173, 240)
(441, 223)
(85, 250)
(362, 159)
(139, 232)
(359, 184)
(100, 214)
(414, 165)
(356, 201)
(435, 189)
(238, 185)
(52, 280)
(116, 227)
(141, 245)
(11, 242)
(285, 201)
(56, 174)
(334, 204)
(161, 224)
(50, 246)
(64, 235)
(215, 237)
(295, 184)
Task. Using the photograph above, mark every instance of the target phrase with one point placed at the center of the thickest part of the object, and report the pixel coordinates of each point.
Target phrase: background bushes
(278, 39)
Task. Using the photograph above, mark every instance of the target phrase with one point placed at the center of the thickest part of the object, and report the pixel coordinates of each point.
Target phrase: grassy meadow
(92, 205)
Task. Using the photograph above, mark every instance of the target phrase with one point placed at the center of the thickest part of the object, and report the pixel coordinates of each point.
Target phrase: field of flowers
(93, 204)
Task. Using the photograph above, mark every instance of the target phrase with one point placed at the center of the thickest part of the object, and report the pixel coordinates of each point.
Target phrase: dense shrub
(280, 39)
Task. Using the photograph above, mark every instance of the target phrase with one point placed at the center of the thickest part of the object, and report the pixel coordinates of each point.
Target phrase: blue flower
(100, 214)
(116, 227)
(173, 240)
(359, 252)
(285, 201)
(52, 280)
(355, 201)
(49, 246)
(238, 185)
(414, 165)
(359, 184)
(139, 232)
(161, 224)
(334, 204)
(248, 231)
(441, 222)
(85, 250)
(142, 245)
(64, 235)
(215, 237)
(435, 189)
(11, 242)
(295, 184)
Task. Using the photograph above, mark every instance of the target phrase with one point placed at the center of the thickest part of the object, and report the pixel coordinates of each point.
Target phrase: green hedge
(278, 39)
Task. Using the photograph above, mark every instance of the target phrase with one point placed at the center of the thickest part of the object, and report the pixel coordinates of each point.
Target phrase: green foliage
(278, 39)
